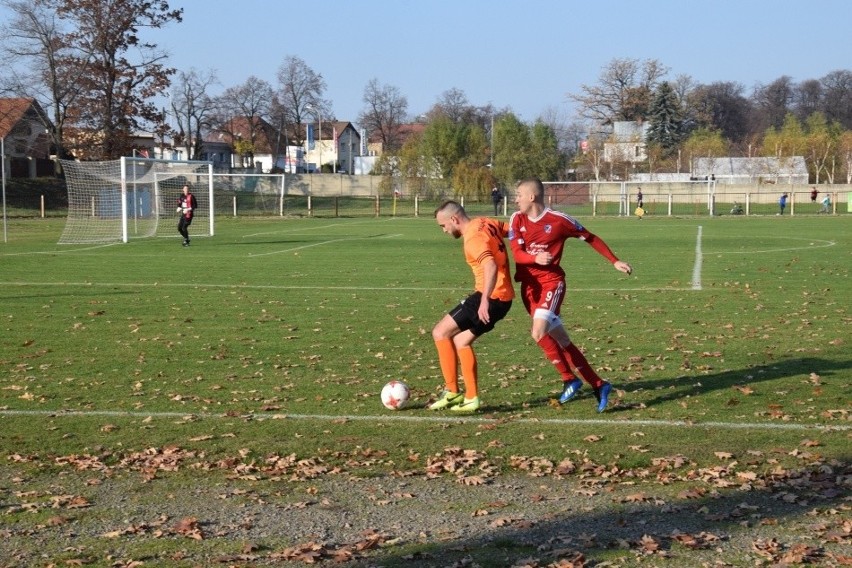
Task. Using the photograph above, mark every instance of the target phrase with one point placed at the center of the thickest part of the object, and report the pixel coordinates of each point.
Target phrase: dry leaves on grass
(313, 552)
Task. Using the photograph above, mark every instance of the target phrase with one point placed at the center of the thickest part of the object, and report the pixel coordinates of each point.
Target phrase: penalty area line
(402, 417)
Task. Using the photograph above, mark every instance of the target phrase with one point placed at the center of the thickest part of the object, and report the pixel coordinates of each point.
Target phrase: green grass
(275, 336)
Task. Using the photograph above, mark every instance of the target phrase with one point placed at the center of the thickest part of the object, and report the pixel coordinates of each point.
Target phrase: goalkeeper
(186, 207)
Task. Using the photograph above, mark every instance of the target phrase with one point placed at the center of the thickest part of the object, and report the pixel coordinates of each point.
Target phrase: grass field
(728, 348)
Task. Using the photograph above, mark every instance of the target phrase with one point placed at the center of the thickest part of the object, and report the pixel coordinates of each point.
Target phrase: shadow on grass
(683, 387)
(734, 521)
(667, 390)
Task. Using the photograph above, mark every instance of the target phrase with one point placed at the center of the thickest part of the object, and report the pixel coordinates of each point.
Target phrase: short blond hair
(536, 185)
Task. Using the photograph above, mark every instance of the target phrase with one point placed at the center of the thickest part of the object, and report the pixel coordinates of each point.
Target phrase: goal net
(116, 200)
(249, 193)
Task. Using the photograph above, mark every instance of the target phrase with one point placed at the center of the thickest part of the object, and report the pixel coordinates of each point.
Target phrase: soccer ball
(395, 395)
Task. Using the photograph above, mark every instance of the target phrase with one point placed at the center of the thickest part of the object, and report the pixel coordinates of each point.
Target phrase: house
(759, 170)
(375, 147)
(257, 145)
(626, 142)
(338, 143)
(25, 130)
(215, 148)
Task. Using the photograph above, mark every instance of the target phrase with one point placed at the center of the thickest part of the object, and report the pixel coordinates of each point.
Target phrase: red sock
(556, 355)
(581, 365)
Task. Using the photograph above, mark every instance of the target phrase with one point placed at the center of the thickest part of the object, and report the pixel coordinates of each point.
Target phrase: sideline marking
(398, 417)
(696, 269)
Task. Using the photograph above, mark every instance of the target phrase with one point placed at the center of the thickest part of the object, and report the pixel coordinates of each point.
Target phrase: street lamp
(319, 119)
(491, 157)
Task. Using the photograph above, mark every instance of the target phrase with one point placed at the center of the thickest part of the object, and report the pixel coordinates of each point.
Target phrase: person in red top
(537, 236)
(186, 207)
(486, 254)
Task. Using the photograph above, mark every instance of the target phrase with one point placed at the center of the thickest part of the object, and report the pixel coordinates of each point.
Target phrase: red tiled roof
(11, 113)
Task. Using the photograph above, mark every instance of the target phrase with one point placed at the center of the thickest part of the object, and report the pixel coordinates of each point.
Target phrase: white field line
(811, 246)
(696, 269)
(298, 230)
(287, 287)
(66, 251)
(402, 417)
(332, 241)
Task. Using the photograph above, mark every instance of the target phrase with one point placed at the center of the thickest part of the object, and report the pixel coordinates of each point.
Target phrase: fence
(307, 196)
(340, 195)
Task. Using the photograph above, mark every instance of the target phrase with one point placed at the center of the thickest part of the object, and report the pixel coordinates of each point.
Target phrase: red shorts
(547, 296)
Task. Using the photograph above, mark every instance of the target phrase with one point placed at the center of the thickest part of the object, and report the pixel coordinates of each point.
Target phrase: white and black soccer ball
(395, 395)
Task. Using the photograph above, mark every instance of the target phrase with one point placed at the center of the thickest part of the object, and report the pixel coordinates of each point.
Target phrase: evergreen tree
(666, 118)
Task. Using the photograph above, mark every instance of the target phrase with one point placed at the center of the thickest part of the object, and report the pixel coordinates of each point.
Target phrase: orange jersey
(483, 240)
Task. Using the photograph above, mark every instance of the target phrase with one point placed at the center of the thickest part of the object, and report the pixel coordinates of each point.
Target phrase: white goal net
(116, 200)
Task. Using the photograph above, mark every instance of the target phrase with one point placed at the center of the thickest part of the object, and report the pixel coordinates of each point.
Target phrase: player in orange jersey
(485, 252)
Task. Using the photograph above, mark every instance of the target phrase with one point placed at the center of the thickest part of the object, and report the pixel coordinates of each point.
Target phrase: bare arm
(489, 270)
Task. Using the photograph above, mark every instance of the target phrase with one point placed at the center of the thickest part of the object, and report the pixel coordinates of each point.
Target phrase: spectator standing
(496, 199)
(782, 203)
(640, 204)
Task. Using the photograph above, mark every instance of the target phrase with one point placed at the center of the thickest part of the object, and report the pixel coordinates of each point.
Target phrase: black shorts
(465, 314)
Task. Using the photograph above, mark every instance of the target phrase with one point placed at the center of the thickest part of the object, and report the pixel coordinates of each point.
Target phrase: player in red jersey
(186, 206)
(537, 235)
(486, 254)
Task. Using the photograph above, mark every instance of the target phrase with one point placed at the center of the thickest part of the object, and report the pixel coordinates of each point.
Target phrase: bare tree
(837, 97)
(720, 106)
(384, 111)
(454, 105)
(772, 102)
(300, 94)
(845, 152)
(193, 108)
(52, 65)
(807, 98)
(123, 72)
(567, 136)
(240, 111)
(624, 91)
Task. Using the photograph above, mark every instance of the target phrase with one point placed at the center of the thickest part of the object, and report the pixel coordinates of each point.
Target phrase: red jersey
(547, 233)
(483, 239)
(188, 205)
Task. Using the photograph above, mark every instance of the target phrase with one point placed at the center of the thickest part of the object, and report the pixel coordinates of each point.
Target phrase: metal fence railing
(336, 195)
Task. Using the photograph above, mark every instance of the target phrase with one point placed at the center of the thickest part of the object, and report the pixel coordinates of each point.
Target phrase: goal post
(113, 201)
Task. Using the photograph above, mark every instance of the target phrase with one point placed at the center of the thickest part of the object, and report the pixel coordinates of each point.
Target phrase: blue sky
(526, 55)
